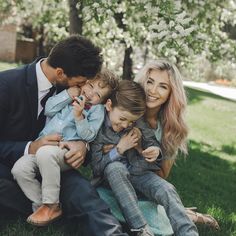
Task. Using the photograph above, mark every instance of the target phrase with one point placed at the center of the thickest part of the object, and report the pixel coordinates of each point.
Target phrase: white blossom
(161, 45)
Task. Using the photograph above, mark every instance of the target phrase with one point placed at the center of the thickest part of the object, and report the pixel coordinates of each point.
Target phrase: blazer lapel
(32, 92)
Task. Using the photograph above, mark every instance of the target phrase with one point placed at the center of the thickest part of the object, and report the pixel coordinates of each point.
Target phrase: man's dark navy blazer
(18, 125)
(18, 111)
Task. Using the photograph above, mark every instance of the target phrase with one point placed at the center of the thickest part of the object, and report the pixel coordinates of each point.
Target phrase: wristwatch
(87, 146)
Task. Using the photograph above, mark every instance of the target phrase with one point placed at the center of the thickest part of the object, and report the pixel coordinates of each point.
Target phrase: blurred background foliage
(199, 36)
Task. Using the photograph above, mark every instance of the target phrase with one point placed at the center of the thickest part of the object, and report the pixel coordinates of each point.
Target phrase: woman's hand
(128, 141)
(151, 153)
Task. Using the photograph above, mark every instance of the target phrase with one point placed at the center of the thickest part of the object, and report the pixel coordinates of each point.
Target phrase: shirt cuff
(114, 154)
(26, 152)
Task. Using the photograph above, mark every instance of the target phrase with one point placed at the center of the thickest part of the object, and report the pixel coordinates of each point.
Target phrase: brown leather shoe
(45, 215)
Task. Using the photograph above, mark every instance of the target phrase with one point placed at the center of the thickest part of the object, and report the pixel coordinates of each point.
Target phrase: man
(22, 92)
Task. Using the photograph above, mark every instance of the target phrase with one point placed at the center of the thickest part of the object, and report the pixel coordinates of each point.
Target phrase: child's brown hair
(129, 96)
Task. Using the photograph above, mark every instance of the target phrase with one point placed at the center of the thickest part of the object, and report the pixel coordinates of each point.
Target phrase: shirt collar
(43, 82)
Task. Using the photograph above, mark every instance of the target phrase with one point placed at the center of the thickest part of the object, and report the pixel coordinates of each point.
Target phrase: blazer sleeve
(10, 151)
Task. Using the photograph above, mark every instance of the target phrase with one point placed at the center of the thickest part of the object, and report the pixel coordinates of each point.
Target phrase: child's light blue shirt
(62, 121)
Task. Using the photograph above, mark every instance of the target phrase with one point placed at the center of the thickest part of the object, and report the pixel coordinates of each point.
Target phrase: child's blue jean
(155, 188)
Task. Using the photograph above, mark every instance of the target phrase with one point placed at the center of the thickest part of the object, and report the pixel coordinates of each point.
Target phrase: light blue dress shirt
(62, 121)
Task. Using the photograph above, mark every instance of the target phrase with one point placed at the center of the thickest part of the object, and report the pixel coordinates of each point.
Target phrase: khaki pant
(48, 162)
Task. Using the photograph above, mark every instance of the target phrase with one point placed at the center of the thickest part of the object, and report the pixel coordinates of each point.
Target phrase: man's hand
(76, 153)
(51, 139)
(151, 153)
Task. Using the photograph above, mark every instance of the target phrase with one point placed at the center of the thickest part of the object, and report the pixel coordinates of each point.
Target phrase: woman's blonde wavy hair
(172, 112)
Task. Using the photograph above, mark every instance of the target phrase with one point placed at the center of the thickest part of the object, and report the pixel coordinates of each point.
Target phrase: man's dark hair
(77, 56)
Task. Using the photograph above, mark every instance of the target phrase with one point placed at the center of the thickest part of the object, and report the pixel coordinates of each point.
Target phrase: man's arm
(15, 125)
(10, 151)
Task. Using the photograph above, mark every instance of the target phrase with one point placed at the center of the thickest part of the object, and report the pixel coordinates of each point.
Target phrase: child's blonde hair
(107, 79)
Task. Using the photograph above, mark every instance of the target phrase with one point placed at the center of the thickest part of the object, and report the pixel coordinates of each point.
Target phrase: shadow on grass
(226, 148)
(208, 182)
(203, 180)
(195, 96)
(229, 149)
(15, 225)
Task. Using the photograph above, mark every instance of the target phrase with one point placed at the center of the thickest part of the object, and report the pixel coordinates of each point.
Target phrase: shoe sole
(43, 223)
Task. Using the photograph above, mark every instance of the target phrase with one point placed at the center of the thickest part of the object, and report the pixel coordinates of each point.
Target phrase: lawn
(205, 179)
(6, 66)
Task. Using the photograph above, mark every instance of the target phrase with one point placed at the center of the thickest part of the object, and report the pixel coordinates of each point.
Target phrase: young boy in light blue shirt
(74, 114)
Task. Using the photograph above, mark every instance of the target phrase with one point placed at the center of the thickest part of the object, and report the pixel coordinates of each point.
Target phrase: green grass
(6, 66)
(205, 179)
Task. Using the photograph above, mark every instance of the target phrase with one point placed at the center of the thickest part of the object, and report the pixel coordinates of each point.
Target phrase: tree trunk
(76, 22)
(230, 30)
(40, 46)
(127, 64)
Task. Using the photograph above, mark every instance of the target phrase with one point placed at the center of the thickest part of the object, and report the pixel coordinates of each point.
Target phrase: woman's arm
(165, 168)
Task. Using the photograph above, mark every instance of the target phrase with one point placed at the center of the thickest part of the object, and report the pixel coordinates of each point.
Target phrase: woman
(166, 103)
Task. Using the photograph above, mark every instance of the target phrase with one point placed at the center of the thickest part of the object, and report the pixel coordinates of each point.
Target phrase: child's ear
(108, 105)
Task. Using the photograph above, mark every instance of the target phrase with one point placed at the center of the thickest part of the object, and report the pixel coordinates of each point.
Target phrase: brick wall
(7, 43)
(25, 51)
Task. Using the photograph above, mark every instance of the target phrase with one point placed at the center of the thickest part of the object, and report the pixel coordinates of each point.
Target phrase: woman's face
(157, 88)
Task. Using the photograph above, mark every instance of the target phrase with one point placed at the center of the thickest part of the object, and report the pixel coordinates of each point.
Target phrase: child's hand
(78, 107)
(73, 91)
(151, 153)
(107, 148)
(139, 135)
(128, 141)
(138, 132)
